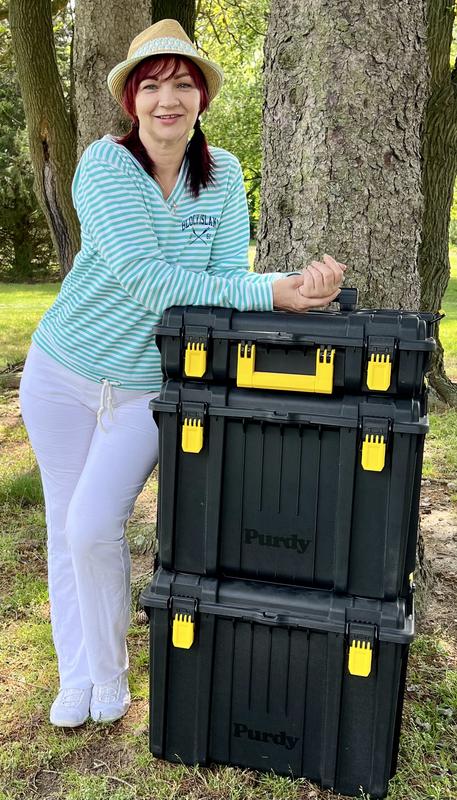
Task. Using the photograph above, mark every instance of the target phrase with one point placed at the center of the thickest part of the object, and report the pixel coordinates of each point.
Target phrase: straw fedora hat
(164, 38)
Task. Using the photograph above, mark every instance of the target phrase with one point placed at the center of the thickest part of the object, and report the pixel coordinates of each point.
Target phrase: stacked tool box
(281, 612)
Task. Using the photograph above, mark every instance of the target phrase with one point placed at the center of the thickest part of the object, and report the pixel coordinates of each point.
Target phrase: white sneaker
(111, 700)
(71, 707)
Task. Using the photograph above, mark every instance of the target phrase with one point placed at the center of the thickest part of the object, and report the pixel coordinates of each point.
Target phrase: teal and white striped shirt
(140, 255)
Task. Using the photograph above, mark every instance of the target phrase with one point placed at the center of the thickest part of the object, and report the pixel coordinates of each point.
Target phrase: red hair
(201, 164)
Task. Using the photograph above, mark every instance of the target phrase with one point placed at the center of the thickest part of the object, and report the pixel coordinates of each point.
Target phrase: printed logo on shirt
(201, 227)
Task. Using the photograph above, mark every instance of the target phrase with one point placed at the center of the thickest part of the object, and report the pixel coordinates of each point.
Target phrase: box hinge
(183, 613)
(380, 359)
(196, 353)
(361, 640)
(193, 415)
(374, 443)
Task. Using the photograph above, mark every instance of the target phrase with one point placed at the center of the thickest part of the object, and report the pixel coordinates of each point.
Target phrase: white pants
(92, 475)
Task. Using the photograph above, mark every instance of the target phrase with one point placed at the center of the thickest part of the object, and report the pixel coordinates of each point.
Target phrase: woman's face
(167, 107)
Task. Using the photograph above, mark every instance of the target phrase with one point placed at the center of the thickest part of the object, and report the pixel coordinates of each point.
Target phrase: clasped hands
(317, 285)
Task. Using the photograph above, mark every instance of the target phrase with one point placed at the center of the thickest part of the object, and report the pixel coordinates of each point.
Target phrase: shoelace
(71, 697)
(106, 402)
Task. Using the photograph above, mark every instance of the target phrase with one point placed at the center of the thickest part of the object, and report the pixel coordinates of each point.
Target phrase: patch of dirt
(438, 519)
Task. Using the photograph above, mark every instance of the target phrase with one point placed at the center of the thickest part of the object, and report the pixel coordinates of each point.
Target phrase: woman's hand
(318, 285)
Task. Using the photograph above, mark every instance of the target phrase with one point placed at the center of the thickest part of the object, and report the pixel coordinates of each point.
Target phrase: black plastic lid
(280, 605)
(348, 411)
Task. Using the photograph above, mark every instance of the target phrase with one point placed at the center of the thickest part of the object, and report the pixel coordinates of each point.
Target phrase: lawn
(38, 762)
(448, 326)
(22, 305)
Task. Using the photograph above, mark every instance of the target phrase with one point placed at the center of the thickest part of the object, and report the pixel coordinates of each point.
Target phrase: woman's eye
(184, 86)
(150, 86)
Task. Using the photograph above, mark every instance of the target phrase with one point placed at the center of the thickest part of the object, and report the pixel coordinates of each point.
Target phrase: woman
(163, 222)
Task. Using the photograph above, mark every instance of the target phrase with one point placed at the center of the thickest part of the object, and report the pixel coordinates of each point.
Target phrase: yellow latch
(248, 378)
(192, 435)
(360, 658)
(195, 360)
(373, 452)
(183, 631)
(379, 372)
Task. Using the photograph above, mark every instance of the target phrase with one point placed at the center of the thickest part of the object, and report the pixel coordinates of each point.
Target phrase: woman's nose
(167, 96)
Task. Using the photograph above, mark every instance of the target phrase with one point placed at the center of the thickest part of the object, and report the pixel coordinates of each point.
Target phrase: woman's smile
(168, 119)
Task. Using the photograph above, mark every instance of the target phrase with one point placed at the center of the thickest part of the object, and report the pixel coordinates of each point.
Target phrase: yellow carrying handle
(248, 378)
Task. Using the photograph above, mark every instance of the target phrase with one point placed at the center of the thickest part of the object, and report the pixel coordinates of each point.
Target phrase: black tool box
(304, 682)
(315, 491)
(319, 352)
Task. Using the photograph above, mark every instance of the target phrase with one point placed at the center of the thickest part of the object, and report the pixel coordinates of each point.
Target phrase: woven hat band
(164, 43)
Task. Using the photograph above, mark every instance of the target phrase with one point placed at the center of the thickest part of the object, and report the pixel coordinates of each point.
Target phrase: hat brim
(214, 75)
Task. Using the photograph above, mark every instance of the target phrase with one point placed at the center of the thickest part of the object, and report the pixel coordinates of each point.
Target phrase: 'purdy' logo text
(293, 542)
(280, 739)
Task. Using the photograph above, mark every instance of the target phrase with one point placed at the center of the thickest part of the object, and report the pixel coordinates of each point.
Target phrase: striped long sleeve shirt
(141, 254)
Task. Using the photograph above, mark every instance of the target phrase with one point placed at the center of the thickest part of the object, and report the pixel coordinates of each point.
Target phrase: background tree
(439, 172)
(185, 12)
(52, 137)
(345, 92)
(26, 249)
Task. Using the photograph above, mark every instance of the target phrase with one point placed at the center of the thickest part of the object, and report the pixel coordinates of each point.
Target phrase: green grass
(448, 326)
(21, 308)
(440, 460)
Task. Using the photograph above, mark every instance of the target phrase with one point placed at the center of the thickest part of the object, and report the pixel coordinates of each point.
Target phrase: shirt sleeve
(112, 209)
(230, 246)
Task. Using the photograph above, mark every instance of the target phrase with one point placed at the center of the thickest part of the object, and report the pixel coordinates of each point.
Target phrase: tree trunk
(439, 152)
(103, 32)
(52, 138)
(23, 250)
(345, 91)
(184, 12)
(56, 6)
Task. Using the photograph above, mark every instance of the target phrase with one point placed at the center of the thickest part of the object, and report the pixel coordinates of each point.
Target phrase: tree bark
(184, 12)
(345, 91)
(56, 6)
(52, 138)
(345, 86)
(439, 152)
(103, 32)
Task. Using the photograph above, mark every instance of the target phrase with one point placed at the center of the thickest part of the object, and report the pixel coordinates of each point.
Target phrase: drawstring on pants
(106, 402)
